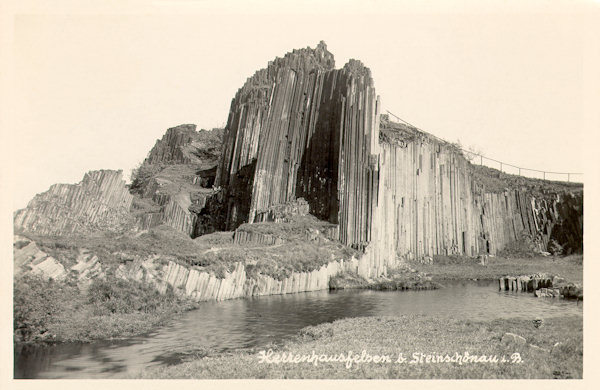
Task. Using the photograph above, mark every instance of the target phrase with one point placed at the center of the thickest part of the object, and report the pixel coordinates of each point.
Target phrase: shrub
(121, 296)
(141, 175)
(36, 302)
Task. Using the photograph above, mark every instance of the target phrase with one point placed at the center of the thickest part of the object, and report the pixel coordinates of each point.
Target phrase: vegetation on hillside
(214, 253)
(497, 181)
(59, 311)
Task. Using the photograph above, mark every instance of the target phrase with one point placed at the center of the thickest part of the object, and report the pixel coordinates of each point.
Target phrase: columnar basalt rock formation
(99, 202)
(432, 203)
(164, 271)
(175, 147)
(543, 285)
(300, 128)
(305, 130)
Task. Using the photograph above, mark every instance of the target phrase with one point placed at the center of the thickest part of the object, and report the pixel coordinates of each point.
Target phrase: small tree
(140, 176)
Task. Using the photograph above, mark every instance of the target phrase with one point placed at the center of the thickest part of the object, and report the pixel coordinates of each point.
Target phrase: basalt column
(340, 172)
(267, 131)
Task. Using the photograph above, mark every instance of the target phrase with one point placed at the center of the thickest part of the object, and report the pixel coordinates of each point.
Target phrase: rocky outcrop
(301, 128)
(543, 285)
(99, 202)
(204, 286)
(545, 292)
(184, 145)
(527, 283)
(172, 213)
(28, 257)
(563, 233)
(164, 271)
(175, 180)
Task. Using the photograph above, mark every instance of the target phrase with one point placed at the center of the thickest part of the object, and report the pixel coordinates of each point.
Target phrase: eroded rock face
(100, 201)
(566, 228)
(163, 271)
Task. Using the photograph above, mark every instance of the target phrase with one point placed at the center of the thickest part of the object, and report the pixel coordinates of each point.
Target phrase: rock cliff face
(433, 203)
(99, 202)
(300, 128)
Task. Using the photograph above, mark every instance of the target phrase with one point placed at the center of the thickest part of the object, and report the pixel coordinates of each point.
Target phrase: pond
(259, 321)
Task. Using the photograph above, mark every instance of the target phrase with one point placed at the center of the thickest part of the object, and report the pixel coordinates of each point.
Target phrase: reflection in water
(256, 322)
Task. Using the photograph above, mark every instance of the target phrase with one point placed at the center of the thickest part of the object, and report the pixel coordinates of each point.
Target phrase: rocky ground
(444, 268)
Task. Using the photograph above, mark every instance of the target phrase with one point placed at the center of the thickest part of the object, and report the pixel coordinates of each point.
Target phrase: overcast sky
(94, 87)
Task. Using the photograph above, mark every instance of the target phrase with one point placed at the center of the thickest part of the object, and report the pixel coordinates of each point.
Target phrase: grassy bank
(457, 268)
(59, 311)
(401, 278)
(540, 355)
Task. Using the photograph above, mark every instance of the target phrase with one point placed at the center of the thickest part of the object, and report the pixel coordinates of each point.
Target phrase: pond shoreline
(229, 327)
(545, 356)
(411, 276)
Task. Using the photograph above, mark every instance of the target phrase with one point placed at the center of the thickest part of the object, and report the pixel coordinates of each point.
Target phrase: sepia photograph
(332, 190)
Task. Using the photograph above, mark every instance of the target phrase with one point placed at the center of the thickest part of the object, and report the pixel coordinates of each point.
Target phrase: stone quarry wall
(300, 128)
(99, 202)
